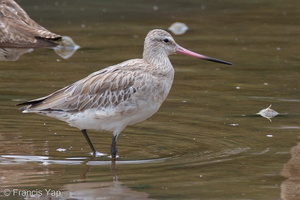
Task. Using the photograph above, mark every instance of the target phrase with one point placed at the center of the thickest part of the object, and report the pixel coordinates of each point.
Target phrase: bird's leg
(113, 148)
(89, 141)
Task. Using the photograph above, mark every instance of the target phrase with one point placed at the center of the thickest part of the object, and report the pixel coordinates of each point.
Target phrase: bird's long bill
(184, 51)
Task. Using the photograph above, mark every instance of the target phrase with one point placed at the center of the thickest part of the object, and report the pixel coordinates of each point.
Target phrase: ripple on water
(181, 144)
(178, 148)
(44, 160)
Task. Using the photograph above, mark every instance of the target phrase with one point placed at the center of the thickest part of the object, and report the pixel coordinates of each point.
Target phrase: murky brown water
(206, 142)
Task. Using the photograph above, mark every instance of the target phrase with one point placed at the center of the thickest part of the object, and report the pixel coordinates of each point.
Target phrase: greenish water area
(206, 142)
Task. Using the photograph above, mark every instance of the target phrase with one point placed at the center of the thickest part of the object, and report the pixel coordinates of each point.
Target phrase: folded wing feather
(107, 87)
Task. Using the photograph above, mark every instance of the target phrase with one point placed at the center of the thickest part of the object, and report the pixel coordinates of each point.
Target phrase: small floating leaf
(178, 28)
(268, 113)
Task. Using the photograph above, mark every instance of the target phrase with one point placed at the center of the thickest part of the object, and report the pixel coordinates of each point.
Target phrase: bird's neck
(158, 60)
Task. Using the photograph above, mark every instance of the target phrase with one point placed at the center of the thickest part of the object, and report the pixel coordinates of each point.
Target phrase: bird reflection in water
(106, 190)
(12, 54)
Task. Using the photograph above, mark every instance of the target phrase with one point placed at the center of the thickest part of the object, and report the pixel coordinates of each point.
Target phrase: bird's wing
(16, 26)
(104, 88)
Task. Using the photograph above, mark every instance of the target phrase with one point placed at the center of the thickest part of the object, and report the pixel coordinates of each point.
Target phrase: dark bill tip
(216, 60)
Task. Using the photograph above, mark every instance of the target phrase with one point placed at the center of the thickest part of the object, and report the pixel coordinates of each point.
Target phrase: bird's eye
(166, 40)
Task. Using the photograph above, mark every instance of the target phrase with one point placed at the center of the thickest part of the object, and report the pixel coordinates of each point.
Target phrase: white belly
(113, 119)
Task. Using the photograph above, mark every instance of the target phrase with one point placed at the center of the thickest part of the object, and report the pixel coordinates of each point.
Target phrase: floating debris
(45, 163)
(61, 149)
(66, 47)
(268, 113)
(178, 28)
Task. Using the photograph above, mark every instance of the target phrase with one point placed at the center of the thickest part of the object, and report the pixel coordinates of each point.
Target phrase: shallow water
(206, 141)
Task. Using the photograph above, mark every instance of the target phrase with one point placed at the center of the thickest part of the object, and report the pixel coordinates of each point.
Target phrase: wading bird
(119, 95)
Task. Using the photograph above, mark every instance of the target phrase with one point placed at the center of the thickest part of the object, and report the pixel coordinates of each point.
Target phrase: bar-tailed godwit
(119, 95)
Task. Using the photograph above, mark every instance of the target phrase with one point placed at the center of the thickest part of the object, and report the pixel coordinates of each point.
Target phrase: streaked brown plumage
(119, 95)
(17, 29)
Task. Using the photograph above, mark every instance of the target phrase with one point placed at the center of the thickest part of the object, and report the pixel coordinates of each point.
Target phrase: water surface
(206, 141)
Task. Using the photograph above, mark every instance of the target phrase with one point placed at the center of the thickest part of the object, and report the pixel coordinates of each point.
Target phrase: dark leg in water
(113, 148)
(89, 141)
